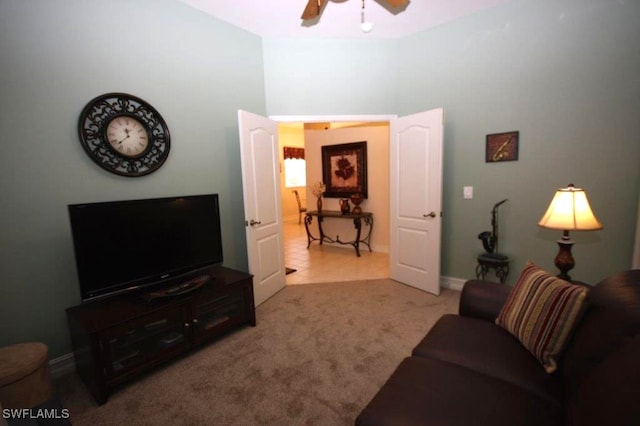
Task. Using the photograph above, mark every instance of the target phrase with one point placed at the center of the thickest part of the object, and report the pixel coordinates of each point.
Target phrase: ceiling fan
(314, 7)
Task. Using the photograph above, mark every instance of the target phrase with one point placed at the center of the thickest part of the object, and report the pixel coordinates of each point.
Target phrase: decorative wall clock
(502, 147)
(124, 134)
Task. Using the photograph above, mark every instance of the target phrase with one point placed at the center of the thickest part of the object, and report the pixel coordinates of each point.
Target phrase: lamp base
(564, 260)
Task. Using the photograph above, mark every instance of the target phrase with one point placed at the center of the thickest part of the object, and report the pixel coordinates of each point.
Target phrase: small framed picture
(344, 169)
(502, 147)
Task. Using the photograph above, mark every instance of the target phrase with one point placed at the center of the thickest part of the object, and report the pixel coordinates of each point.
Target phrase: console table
(358, 218)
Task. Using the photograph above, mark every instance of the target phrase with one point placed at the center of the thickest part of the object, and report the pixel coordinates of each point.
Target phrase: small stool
(25, 379)
(496, 261)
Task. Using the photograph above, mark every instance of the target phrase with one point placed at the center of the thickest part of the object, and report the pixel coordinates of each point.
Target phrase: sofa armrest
(483, 299)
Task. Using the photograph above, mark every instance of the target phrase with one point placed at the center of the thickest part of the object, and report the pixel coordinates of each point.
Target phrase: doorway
(333, 263)
(414, 194)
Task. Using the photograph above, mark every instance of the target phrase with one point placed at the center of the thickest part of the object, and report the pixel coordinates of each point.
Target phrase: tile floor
(328, 262)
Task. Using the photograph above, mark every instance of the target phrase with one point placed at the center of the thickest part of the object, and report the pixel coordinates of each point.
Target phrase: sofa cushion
(483, 299)
(613, 317)
(488, 349)
(428, 391)
(610, 394)
(541, 312)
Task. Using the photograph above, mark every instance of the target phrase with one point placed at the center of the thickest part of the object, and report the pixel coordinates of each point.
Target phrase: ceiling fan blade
(313, 9)
(397, 3)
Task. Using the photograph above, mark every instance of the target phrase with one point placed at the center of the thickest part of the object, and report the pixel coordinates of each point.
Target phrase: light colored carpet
(317, 356)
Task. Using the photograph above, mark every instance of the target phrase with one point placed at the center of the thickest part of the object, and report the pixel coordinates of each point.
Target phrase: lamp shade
(570, 211)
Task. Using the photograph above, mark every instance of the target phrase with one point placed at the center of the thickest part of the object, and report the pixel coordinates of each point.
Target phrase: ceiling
(340, 18)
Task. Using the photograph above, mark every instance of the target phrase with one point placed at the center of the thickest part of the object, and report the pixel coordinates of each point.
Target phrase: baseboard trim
(452, 283)
(62, 365)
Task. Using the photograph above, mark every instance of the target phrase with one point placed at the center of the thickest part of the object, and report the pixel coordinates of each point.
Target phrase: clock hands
(127, 136)
(129, 130)
(126, 130)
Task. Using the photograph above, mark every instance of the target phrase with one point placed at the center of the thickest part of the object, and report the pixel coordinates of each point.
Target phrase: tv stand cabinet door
(141, 343)
(221, 312)
(125, 344)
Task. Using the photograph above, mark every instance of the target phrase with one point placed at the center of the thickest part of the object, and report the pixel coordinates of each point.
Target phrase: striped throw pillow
(541, 312)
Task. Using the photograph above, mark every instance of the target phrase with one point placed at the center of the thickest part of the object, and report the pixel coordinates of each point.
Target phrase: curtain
(294, 153)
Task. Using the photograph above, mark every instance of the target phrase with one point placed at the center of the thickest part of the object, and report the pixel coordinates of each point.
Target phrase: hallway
(328, 263)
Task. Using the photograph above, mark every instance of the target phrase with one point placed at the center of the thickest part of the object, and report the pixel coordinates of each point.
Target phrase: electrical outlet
(467, 192)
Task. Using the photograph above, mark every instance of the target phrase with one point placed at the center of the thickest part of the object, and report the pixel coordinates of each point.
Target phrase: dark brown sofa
(469, 371)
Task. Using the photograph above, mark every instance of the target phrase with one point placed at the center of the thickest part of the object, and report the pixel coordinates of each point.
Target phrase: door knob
(432, 214)
(254, 222)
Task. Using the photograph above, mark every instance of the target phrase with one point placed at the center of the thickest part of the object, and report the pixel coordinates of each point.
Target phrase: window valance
(295, 153)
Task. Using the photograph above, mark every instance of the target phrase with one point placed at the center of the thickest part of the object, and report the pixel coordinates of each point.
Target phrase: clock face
(127, 136)
(124, 134)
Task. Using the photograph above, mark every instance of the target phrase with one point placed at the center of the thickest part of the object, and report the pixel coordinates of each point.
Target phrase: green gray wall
(56, 55)
(330, 76)
(563, 73)
(566, 74)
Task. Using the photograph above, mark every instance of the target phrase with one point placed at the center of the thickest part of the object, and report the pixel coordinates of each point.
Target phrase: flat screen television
(124, 246)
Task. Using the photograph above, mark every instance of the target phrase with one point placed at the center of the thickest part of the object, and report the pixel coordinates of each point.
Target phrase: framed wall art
(502, 147)
(344, 169)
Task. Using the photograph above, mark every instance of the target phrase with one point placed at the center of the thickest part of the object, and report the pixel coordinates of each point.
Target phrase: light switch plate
(467, 192)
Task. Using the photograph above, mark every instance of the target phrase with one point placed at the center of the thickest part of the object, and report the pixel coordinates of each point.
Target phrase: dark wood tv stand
(119, 338)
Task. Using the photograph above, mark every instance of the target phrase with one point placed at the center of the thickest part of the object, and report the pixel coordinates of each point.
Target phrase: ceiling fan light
(365, 26)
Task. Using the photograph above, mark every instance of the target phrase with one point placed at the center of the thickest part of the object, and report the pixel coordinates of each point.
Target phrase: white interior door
(262, 208)
(416, 199)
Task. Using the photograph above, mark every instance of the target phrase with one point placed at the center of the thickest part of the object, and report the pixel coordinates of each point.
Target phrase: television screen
(125, 245)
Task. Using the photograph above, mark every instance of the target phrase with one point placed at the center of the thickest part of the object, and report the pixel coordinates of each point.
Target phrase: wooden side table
(496, 261)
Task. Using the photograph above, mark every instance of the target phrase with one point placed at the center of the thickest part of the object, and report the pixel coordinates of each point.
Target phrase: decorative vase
(319, 204)
(344, 206)
(356, 199)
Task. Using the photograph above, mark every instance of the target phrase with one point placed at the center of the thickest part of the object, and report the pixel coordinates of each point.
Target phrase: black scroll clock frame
(124, 135)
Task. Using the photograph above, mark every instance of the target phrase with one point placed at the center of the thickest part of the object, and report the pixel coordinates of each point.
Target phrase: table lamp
(569, 211)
